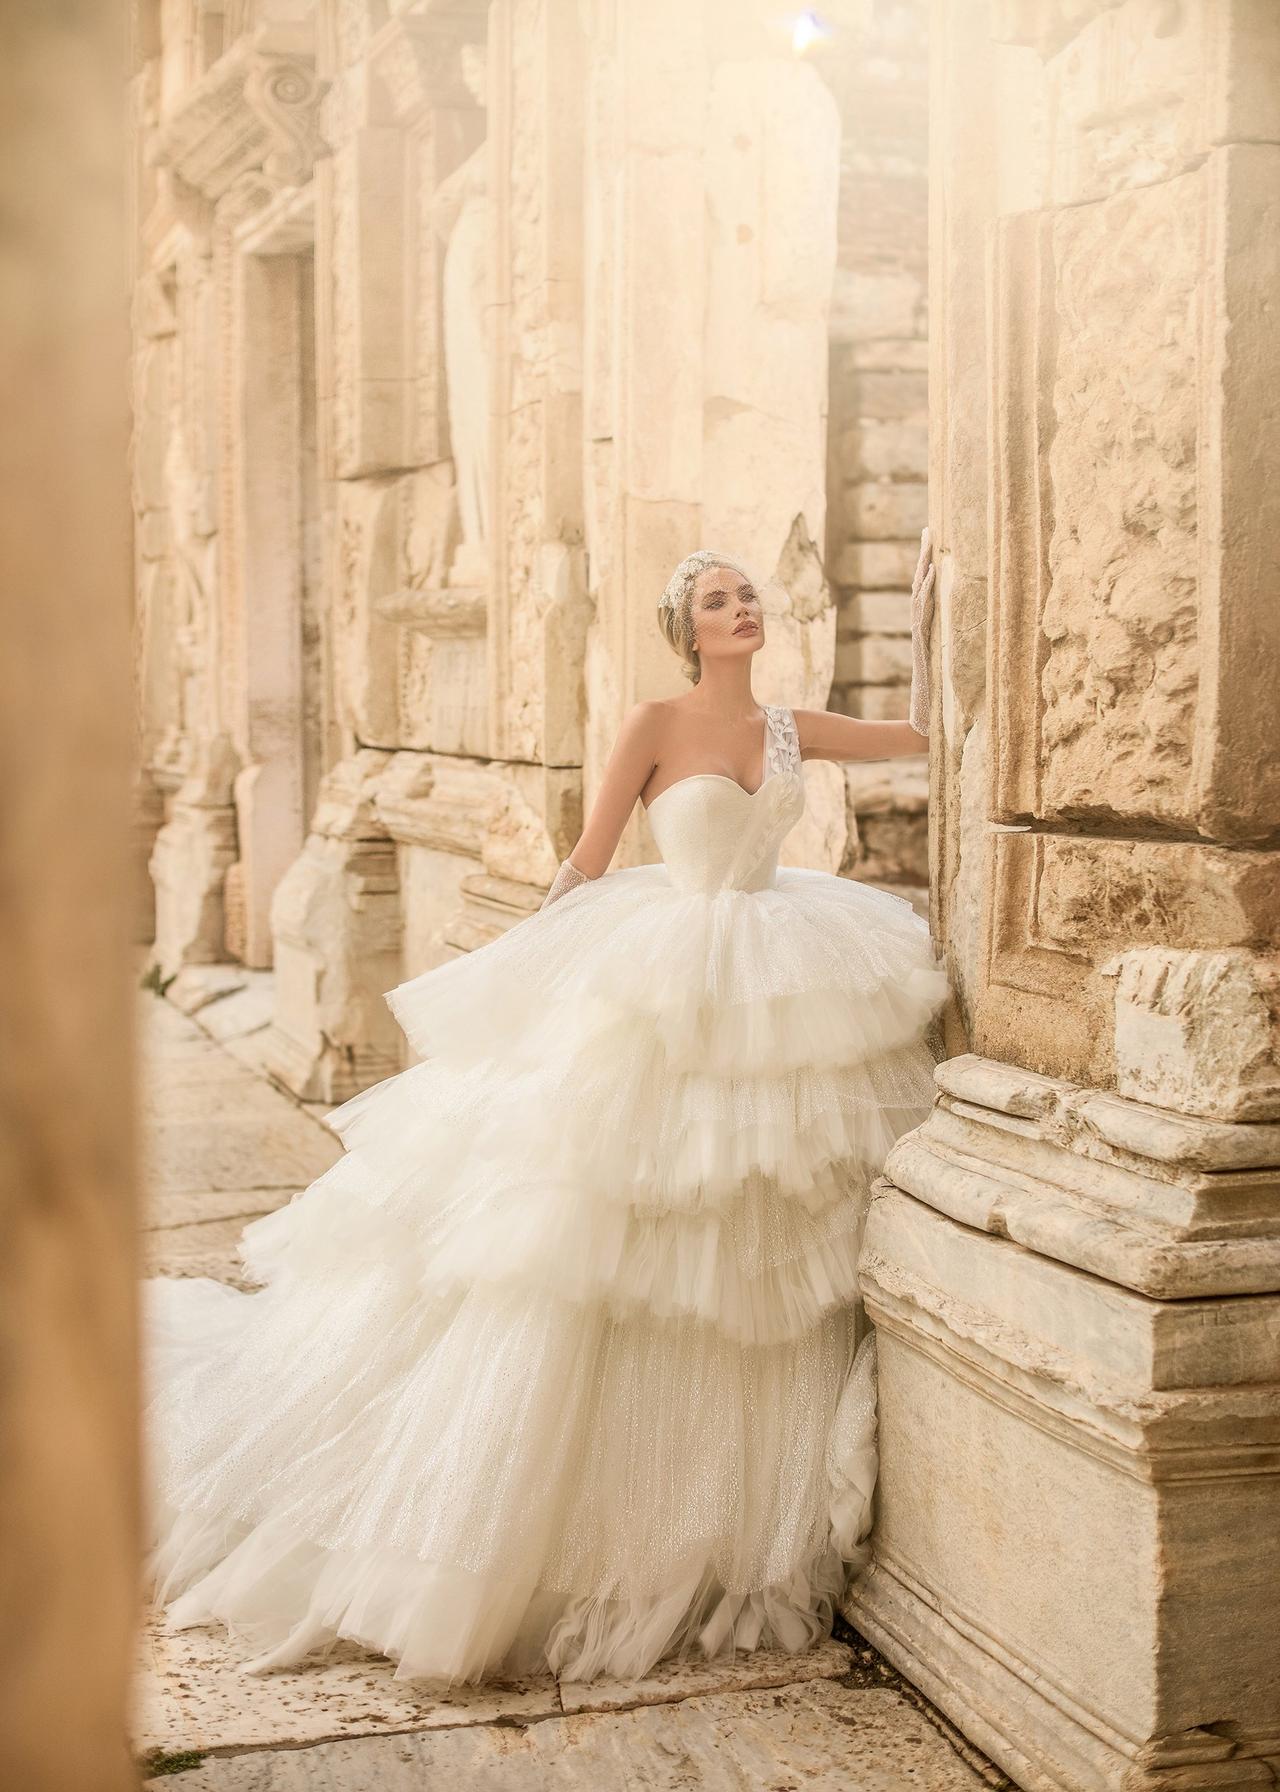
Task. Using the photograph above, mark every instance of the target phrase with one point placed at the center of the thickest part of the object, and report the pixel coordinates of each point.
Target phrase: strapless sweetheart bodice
(714, 835)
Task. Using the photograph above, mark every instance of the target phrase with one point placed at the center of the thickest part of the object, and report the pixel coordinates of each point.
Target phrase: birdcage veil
(677, 597)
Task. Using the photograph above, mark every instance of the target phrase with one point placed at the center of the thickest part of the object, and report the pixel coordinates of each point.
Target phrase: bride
(555, 1368)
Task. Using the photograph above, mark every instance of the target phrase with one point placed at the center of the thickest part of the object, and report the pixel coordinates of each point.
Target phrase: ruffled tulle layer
(760, 1269)
(499, 1485)
(288, 1600)
(816, 972)
(618, 1120)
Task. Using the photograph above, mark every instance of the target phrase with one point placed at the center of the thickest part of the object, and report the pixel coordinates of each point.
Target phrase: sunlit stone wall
(455, 330)
(1074, 1265)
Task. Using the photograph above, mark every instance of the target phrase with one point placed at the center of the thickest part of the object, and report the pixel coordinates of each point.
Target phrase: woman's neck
(724, 689)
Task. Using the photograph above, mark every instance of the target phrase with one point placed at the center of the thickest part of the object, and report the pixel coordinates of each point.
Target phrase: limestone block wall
(878, 446)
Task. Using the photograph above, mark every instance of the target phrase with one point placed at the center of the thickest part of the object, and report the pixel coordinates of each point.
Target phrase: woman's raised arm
(827, 736)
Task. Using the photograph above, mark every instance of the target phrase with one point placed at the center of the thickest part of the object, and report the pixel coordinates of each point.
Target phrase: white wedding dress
(555, 1368)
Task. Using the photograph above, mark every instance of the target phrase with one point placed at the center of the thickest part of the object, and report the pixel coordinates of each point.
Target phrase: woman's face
(726, 614)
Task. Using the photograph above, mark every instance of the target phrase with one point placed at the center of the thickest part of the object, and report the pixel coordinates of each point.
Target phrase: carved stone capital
(284, 93)
(254, 111)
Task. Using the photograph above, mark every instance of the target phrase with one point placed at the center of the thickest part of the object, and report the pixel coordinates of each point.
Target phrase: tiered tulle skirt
(555, 1368)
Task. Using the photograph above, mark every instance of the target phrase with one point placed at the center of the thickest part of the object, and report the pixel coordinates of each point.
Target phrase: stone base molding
(1077, 1544)
(336, 920)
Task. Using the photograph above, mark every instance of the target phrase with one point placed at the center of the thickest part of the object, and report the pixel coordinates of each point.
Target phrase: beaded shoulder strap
(784, 739)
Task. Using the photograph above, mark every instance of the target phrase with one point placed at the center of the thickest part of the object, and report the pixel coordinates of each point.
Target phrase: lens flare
(807, 28)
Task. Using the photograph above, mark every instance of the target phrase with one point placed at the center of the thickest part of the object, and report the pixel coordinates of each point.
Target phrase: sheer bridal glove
(568, 877)
(921, 617)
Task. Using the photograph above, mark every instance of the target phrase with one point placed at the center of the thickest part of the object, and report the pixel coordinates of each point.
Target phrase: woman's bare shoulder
(652, 717)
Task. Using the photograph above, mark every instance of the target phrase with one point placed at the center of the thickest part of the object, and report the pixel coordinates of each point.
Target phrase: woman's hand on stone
(922, 605)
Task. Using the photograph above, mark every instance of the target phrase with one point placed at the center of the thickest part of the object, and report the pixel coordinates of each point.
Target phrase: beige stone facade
(1074, 1266)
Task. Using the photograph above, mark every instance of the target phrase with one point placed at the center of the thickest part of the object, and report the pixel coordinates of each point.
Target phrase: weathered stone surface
(878, 460)
(337, 925)
(876, 612)
(876, 563)
(221, 1145)
(686, 1679)
(193, 1695)
(1075, 1279)
(1116, 1418)
(896, 448)
(874, 659)
(887, 510)
(826, 1736)
(206, 1248)
(1054, 1437)
(1166, 1203)
(1061, 905)
(1199, 1031)
(239, 1012)
(865, 305)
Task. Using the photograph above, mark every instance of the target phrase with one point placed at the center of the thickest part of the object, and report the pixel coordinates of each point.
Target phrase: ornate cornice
(255, 111)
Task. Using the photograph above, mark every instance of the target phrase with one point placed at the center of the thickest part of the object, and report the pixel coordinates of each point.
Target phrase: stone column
(68, 1178)
(1074, 1265)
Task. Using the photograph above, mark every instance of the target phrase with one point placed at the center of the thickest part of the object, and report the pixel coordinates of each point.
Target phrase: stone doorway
(281, 724)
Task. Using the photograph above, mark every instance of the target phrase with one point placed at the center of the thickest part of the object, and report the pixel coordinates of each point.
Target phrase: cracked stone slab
(205, 1249)
(191, 1694)
(821, 1736)
(197, 985)
(671, 1680)
(225, 1153)
(246, 1010)
(168, 1210)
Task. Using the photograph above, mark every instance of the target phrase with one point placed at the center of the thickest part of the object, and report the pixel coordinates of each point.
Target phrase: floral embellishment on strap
(784, 740)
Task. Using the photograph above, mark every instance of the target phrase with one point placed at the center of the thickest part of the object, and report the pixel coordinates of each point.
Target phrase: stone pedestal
(189, 862)
(336, 920)
(1078, 1305)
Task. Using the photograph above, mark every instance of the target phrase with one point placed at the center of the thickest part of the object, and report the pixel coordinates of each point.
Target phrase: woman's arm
(826, 736)
(625, 775)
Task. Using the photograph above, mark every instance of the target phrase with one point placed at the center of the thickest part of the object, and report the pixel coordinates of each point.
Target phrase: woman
(553, 1368)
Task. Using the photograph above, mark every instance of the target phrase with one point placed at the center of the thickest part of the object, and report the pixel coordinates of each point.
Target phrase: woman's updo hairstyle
(675, 606)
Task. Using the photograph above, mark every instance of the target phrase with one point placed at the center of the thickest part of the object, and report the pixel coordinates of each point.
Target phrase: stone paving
(224, 1145)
